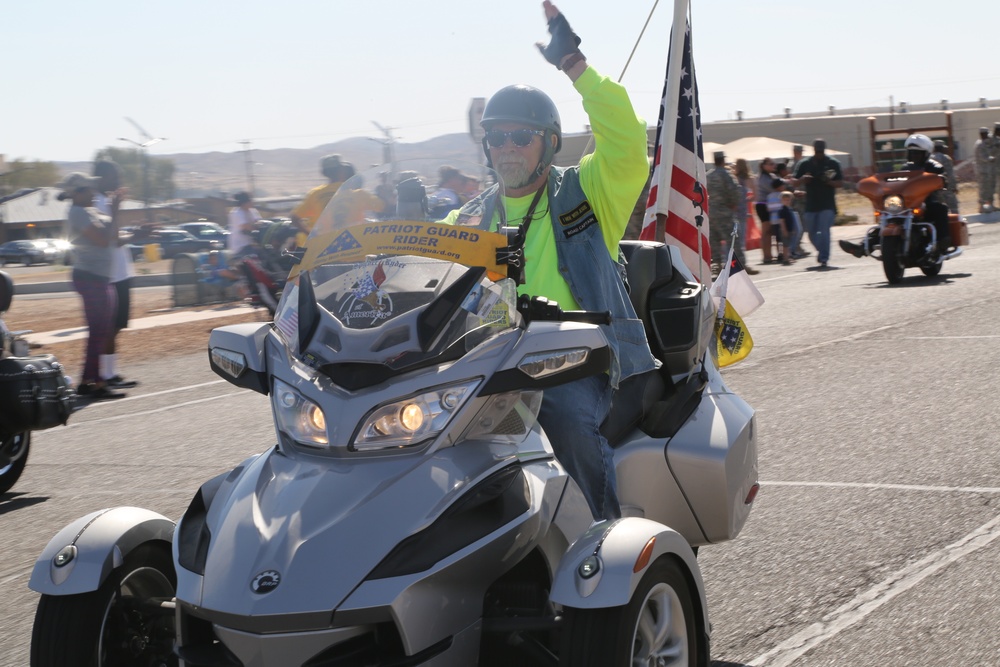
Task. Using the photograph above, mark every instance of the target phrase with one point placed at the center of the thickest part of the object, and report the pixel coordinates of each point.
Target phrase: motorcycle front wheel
(892, 255)
(658, 627)
(121, 623)
(16, 448)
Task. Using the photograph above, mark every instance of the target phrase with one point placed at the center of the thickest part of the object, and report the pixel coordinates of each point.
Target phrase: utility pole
(149, 140)
(249, 165)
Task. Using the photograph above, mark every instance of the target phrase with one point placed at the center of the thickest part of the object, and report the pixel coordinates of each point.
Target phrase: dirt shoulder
(66, 312)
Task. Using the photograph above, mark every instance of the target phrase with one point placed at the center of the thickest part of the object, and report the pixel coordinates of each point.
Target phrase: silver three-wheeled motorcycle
(411, 511)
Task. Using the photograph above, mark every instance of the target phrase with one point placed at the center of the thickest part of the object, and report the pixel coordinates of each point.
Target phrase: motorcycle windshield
(404, 252)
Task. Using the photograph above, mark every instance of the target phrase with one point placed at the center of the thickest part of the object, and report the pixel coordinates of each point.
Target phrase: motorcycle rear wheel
(892, 254)
(118, 624)
(17, 447)
(658, 626)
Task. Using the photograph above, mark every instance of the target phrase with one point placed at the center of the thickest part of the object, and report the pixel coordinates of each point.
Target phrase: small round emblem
(266, 581)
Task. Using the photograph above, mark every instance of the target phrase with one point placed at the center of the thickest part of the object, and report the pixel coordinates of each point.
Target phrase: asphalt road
(874, 537)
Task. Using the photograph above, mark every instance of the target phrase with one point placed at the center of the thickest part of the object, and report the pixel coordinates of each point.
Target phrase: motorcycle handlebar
(587, 316)
(540, 308)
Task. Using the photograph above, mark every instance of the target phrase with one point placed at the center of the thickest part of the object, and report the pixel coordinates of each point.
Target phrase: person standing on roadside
(723, 200)
(763, 189)
(242, 222)
(745, 180)
(122, 271)
(985, 162)
(821, 175)
(798, 201)
(940, 154)
(995, 162)
(94, 237)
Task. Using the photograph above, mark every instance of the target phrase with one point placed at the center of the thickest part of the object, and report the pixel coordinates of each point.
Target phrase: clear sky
(208, 74)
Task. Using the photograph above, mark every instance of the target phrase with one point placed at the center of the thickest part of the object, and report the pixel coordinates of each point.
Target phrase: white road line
(889, 487)
(132, 415)
(153, 393)
(946, 337)
(856, 610)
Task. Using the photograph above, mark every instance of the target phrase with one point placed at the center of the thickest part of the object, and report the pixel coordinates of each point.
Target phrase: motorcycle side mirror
(308, 311)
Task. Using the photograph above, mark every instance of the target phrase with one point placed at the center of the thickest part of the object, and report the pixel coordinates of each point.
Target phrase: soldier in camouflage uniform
(723, 198)
(951, 194)
(798, 199)
(985, 171)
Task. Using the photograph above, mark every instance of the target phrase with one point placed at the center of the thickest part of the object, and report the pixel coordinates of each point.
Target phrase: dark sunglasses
(521, 138)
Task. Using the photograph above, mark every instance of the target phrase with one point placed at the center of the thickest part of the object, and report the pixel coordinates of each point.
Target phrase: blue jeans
(818, 224)
(571, 416)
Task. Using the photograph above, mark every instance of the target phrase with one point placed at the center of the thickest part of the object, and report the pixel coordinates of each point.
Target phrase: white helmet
(919, 142)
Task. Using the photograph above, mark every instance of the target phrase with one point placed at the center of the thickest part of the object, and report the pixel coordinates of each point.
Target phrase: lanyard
(530, 215)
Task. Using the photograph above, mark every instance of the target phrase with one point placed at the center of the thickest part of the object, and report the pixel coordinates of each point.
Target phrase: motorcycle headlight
(893, 204)
(413, 420)
(300, 418)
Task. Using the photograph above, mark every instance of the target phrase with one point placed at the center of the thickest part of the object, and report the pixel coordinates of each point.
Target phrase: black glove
(564, 41)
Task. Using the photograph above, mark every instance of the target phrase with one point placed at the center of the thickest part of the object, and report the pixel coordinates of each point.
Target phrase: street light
(142, 146)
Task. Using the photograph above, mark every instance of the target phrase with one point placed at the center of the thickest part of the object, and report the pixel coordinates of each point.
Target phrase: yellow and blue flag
(732, 340)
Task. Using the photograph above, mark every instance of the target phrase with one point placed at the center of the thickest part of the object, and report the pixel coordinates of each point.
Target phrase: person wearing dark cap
(985, 169)
(95, 238)
(243, 220)
(121, 270)
(940, 154)
(723, 200)
(304, 215)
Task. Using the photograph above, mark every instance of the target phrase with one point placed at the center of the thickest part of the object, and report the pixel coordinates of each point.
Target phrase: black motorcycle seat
(634, 398)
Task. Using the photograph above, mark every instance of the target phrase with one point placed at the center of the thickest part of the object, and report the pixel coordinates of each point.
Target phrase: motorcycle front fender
(618, 547)
(892, 229)
(82, 555)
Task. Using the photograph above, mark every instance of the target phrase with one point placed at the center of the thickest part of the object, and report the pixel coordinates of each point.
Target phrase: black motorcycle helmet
(529, 106)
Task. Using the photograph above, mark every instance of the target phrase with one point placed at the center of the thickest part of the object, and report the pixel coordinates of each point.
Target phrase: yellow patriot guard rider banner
(732, 340)
(468, 246)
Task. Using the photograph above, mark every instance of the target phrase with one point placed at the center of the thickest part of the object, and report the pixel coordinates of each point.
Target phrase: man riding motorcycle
(571, 223)
(918, 155)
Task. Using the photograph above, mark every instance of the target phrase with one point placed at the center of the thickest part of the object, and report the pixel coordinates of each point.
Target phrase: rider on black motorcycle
(918, 155)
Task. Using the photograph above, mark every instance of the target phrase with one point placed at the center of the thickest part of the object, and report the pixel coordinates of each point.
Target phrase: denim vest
(594, 278)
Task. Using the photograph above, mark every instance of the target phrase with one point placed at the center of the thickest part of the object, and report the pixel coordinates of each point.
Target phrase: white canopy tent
(709, 147)
(755, 149)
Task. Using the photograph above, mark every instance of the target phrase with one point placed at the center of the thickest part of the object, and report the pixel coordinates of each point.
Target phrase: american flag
(680, 167)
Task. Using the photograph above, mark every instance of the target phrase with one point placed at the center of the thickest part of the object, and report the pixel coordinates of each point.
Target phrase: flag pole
(699, 218)
(673, 91)
(628, 61)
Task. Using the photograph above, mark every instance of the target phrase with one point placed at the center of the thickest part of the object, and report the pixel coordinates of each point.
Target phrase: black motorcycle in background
(35, 394)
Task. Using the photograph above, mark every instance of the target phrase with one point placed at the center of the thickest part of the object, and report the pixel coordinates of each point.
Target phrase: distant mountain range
(293, 171)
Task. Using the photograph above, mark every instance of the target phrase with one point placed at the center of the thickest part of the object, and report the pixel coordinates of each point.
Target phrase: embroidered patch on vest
(577, 220)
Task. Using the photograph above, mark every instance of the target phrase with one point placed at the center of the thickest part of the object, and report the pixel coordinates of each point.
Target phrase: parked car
(175, 241)
(203, 229)
(64, 249)
(27, 253)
